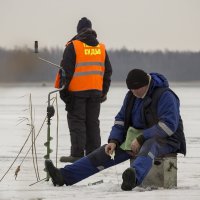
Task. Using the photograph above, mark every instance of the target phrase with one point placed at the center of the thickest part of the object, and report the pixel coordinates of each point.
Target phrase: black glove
(63, 77)
(103, 98)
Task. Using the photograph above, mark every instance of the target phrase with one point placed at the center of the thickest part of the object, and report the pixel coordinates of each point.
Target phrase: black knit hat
(137, 78)
(83, 23)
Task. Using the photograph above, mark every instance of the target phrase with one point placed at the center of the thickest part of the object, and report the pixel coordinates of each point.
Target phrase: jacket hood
(158, 80)
(87, 36)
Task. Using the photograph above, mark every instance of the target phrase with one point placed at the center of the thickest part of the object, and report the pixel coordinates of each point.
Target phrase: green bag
(132, 134)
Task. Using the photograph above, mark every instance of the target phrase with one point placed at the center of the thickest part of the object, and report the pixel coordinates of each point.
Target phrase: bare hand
(109, 148)
(135, 147)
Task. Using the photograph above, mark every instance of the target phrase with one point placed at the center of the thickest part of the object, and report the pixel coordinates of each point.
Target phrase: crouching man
(151, 110)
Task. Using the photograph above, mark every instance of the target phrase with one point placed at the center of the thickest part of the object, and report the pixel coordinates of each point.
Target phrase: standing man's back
(88, 76)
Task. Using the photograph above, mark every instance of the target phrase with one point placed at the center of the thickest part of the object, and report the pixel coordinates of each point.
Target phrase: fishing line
(34, 153)
(113, 158)
(18, 168)
(38, 181)
(57, 126)
(16, 156)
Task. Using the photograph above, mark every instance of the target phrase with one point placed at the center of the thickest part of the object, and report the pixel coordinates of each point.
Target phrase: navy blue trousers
(99, 160)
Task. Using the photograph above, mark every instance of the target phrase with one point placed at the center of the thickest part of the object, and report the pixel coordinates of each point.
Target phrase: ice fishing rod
(56, 65)
(50, 108)
(36, 51)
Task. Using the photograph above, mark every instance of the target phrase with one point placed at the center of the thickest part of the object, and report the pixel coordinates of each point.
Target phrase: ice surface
(14, 103)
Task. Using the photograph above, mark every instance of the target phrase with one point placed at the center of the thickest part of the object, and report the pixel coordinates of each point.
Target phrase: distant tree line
(22, 65)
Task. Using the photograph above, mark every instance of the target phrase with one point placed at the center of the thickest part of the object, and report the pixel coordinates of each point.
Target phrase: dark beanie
(137, 78)
(83, 23)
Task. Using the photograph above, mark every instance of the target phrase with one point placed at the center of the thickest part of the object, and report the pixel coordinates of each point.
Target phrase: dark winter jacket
(167, 124)
(89, 37)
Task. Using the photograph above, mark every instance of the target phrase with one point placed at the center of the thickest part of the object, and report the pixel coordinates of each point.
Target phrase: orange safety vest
(57, 82)
(89, 68)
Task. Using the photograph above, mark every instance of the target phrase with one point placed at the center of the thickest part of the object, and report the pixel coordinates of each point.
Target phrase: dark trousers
(83, 122)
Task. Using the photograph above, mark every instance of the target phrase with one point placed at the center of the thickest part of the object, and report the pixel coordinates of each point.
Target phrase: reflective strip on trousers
(151, 155)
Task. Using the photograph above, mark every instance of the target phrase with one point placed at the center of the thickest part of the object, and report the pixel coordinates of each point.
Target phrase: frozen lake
(14, 104)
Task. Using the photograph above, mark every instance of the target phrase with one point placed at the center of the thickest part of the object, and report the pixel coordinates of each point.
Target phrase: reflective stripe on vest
(89, 68)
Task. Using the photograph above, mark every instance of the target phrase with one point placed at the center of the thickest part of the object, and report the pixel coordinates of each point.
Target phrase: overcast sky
(134, 24)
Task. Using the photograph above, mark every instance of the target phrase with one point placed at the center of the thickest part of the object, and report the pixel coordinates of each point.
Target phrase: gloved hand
(103, 98)
(63, 77)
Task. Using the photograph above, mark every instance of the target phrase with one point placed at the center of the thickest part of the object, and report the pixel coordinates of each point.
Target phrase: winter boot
(54, 173)
(70, 159)
(129, 179)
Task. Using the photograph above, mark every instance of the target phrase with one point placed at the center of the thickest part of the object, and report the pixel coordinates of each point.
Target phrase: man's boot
(54, 173)
(70, 159)
(129, 179)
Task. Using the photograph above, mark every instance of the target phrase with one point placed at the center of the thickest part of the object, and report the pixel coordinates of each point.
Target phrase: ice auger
(50, 108)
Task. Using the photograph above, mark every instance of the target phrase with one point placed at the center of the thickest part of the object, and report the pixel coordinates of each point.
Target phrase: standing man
(151, 109)
(88, 75)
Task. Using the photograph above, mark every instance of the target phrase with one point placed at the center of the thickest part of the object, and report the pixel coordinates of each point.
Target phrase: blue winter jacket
(167, 113)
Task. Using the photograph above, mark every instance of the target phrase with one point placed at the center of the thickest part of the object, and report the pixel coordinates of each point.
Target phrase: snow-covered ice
(14, 103)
